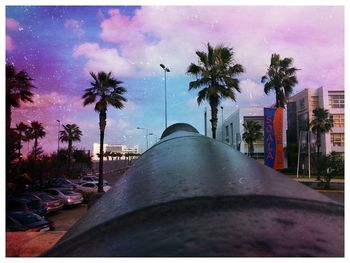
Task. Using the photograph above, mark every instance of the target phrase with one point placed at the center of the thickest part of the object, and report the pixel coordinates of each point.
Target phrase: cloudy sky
(59, 46)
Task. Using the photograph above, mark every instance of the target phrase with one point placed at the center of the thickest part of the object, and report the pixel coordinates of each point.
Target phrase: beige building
(300, 107)
(115, 148)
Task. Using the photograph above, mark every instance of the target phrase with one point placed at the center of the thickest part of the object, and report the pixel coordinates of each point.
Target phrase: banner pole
(298, 155)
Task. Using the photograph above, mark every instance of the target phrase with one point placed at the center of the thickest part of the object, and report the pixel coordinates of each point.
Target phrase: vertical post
(309, 142)
(222, 124)
(166, 117)
(58, 136)
(298, 155)
(205, 121)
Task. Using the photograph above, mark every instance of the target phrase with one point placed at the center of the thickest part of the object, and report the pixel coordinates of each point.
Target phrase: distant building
(300, 107)
(114, 148)
(232, 130)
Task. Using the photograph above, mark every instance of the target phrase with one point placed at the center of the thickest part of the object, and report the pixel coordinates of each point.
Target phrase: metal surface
(189, 195)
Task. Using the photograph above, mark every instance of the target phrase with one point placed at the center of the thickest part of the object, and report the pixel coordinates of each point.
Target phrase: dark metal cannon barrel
(190, 195)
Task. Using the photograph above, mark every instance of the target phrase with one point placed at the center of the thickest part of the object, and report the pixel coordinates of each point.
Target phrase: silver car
(68, 196)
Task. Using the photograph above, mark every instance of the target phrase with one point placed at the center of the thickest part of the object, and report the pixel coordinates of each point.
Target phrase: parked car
(64, 183)
(27, 221)
(91, 179)
(92, 187)
(28, 204)
(50, 203)
(68, 196)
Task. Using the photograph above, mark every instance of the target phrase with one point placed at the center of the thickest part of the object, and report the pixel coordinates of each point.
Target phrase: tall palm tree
(280, 77)
(70, 133)
(18, 89)
(216, 77)
(252, 133)
(321, 123)
(22, 130)
(36, 131)
(106, 91)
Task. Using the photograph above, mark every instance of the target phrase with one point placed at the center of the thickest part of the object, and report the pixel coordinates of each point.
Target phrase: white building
(114, 148)
(232, 130)
(300, 107)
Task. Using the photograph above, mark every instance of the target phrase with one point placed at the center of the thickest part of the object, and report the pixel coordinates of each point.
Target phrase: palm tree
(321, 123)
(22, 131)
(36, 131)
(280, 77)
(252, 133)
(70, 133)
(106, 91)
(107, 154)
(18, 89)
(216, 77)
(113, 155)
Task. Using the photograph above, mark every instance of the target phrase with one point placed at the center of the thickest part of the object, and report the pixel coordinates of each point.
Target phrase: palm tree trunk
(318, 154)
(69, 157)
(8, 116)
(214, 118)
(35, 148)
(103, 117)
(251, 149)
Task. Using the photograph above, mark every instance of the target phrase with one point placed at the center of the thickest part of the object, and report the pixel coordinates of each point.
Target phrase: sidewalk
(30, 244)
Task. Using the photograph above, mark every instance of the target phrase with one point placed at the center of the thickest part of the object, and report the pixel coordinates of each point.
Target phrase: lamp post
(222, 124)
(166, 113)
(140, 128)
(58, 135)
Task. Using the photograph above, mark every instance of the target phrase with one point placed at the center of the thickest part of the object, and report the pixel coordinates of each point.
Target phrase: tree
(113, 155)
(252, 133)
(107, 154)
(106, 91)
(280, 77)
(321, 123)
(330, 165)
(70, 133)
(216, 77)
(18, 89)
(22, 131)
(35, 132)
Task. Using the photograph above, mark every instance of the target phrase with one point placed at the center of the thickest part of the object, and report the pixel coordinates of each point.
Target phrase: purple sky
(58, 46)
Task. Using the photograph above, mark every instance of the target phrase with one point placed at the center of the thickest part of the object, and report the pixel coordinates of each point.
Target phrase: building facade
(300, 107)
(113, 148)
(232, 130)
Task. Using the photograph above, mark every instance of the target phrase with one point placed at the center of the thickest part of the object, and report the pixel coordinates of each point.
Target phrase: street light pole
(140, 128)
(58, 136)
(165, 100)
(151, 133)
(222, 124)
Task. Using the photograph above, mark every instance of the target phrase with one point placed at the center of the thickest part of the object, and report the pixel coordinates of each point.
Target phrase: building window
(338, 120)
(336, 100)
(337, 139)
(302, 103)
(314, 102)
(231, 128)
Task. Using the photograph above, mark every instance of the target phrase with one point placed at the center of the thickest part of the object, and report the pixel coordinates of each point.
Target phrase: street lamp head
(167, 70)
(162, 65)
(221, 107)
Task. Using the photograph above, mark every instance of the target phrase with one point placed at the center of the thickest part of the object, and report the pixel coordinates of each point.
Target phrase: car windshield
(67, 192)
(28, 218)
(45, 196)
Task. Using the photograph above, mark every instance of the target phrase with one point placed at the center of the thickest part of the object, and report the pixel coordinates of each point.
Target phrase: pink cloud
(106, 59)
(171, 34)
(12, 24)
(75, 25)
(9, 44)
